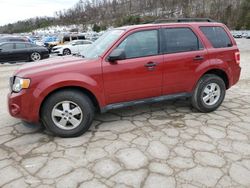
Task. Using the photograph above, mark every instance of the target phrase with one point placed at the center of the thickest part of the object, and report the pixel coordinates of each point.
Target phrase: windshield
(103, 43)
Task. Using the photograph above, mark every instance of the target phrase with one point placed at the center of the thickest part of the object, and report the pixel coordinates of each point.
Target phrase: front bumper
(57, 51)
(23, 106)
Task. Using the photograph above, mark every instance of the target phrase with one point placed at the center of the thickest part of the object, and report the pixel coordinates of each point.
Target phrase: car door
(83, 45)
(79, 45)
(74, 47)
(6, 52)
(183, 54)
(21, 52)
(139, 75)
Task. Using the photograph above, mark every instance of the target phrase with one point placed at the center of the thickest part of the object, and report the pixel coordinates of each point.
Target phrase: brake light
(237, 57)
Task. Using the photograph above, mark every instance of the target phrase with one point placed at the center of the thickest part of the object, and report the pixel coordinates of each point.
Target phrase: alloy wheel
(35, 56)
(67, 115)
(211, 94)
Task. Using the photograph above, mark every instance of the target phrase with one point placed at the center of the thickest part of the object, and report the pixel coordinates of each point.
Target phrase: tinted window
(181, 40)
(7, 47)
(20, 45)
(17, 40)
(76, 43)
(3, 40)
(87, 42)
(140, 44)
(217, 36)
(81, 37)
(29, 45)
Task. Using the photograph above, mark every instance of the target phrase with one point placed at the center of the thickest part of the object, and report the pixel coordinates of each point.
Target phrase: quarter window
(180, 40)
(140, 44)
(217, 36)
(29, 45)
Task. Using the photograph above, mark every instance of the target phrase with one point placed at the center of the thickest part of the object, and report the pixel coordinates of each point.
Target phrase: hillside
(103, 13)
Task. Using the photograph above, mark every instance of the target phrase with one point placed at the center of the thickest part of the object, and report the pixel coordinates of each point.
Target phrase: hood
(57, 64)
(59, 46)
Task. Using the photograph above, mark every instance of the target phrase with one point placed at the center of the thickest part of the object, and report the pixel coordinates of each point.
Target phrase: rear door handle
(150, 64)
(198, 58)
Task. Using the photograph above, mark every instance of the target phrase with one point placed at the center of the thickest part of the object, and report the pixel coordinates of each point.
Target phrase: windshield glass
(103, 43)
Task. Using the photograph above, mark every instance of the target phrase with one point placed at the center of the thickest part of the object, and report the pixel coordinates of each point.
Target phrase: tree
(96, 28)
(244, 17)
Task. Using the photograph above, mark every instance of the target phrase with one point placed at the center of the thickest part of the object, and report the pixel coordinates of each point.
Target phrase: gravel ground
(160, 145)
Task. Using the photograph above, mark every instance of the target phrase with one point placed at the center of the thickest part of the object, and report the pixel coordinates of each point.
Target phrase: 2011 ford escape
(127, 66)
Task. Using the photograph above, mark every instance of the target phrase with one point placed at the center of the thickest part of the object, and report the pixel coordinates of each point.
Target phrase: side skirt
(144, 101)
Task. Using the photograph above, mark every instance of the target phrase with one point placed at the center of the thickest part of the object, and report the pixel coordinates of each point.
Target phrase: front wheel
(67, 113)
(209, 93)
(35, 56)
(66, 51)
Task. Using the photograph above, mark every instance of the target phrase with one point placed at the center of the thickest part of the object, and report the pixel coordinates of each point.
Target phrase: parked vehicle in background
(70, 37)
(14, 39)
(128, 66)
(237, 35)
(21, 51)
(248, 35)
(73, 47)
(50, 42)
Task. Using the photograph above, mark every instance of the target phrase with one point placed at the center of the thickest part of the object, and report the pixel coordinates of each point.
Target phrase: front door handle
(150, 64)
(198, 58)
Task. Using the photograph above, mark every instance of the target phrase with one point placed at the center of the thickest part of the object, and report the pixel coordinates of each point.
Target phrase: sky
(15, 10)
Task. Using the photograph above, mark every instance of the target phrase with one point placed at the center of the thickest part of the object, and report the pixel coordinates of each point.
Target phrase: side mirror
(1, 50)
(117, 54)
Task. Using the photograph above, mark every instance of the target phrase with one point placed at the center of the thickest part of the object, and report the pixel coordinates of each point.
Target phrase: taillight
(237, 57)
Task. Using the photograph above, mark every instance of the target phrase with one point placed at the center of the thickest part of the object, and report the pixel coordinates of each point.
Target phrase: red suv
(128, 66)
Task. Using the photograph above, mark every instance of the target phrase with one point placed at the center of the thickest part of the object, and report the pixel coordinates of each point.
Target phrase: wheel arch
(221, 73)
(91, 96)
(66, 48)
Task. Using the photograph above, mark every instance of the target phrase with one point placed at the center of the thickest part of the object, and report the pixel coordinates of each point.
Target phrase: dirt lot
(160, 145)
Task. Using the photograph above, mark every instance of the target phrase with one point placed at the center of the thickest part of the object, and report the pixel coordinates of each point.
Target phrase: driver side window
(140, 44)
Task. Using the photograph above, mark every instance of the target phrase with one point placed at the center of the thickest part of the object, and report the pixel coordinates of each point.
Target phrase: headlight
(20, 83)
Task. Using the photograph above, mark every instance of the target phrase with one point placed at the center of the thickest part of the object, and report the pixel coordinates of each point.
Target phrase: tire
(60, 108)
(35, 56)
(209, 93)
(66, 51)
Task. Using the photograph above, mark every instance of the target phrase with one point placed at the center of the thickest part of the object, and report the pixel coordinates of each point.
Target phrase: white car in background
(73, 47)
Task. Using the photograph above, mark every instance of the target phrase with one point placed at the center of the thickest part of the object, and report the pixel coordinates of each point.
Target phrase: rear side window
(217, 36)
(140, 44)
(180, 40)
(20, 45)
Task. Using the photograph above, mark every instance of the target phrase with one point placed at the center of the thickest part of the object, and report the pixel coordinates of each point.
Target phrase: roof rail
(183, 20)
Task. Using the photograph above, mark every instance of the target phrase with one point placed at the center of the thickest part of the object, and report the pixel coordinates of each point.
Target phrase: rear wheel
(67, 113)
(209, 93)
(35, 56)
(66, 51)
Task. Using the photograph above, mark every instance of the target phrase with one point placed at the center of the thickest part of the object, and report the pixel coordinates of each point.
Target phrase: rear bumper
(236, 73)
(21, 105)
